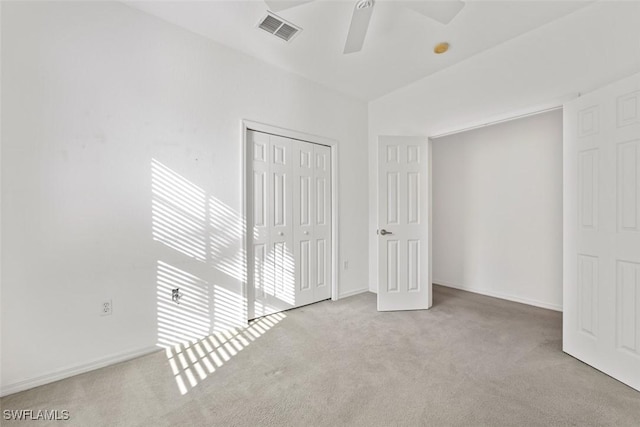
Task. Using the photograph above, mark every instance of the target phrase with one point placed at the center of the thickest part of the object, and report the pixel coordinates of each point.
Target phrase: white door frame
(247, 212)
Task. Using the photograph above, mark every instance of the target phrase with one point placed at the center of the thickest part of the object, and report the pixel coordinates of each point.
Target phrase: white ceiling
(399, 44)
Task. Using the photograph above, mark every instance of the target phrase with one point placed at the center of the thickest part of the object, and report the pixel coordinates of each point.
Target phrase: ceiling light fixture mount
(441, 48)
(364, 4)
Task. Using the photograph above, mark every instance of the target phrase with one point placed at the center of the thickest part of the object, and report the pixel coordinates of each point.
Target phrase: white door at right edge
(404, 228)
(601, 307)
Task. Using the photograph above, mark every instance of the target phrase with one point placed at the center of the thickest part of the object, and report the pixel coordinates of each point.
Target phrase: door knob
(306, 232)
(385, 232)
(280, 233)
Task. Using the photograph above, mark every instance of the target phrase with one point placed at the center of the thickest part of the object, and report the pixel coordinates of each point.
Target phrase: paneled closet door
(291, 223)
(304, 213)
(281, 203)
(312, 222)
(259, 230)
(322, 222)
(272, 242)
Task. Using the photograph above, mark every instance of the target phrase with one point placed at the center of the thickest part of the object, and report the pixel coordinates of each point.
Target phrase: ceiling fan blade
(358, 28)
(442, 11)
(278, 5)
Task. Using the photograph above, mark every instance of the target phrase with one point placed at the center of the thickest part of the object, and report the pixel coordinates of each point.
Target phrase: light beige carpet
(470, 360)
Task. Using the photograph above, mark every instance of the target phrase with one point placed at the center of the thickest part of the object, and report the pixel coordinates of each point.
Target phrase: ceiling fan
(442, 11)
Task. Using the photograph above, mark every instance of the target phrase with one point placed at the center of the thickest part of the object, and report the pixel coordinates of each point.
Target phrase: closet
(289, 223)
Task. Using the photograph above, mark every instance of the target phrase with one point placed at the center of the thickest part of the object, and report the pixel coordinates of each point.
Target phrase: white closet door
(274, 280)
(259, 146)
(602, 230)
(283, 290)
(304, 206)
(322, 227)
(291, 223)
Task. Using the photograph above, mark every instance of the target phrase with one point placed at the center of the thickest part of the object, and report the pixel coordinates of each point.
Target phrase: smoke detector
(277, 26)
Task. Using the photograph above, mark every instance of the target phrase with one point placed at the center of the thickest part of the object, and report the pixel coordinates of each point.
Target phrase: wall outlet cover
(106, 308)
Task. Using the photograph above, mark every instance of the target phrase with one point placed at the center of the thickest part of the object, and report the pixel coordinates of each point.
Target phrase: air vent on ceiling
(277, 26)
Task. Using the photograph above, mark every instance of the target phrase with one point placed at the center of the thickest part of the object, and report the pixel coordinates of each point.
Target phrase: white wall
(545, 67)
(93, 94)
(497, 210)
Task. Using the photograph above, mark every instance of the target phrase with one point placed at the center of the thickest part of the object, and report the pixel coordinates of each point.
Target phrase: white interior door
(404, 245)
(312, 221)
(290, 251)
(601, 320)
(273, 261)
(304, 210)
(322, 244)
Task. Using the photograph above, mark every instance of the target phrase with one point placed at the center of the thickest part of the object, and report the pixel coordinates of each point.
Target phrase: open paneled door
(404, 219)
(602, 230)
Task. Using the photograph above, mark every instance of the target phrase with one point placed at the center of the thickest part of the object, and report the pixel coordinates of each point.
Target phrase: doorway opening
(497, 209)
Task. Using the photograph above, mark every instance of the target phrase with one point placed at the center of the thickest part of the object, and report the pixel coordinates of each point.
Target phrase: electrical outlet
(346, 264)
(106, 308)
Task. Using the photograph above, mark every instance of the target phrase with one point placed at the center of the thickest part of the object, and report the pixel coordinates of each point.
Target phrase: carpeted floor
(470, 360)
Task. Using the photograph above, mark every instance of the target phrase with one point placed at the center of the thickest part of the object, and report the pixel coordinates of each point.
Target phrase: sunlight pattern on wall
(193, 363)
(186, 219)
(209, 267)
(205, 230)
(178, 212)
(189, 320)
(202, 227)
(226, 229)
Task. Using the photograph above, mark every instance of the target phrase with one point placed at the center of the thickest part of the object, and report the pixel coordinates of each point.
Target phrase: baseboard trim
(500, 295)
(74, 370)
(352, 293)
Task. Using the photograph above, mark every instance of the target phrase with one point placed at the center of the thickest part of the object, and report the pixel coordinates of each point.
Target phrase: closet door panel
(322, 225)
(272, 222)
(281, 248)
(304, 205)
(290, 189)
(258, 144)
